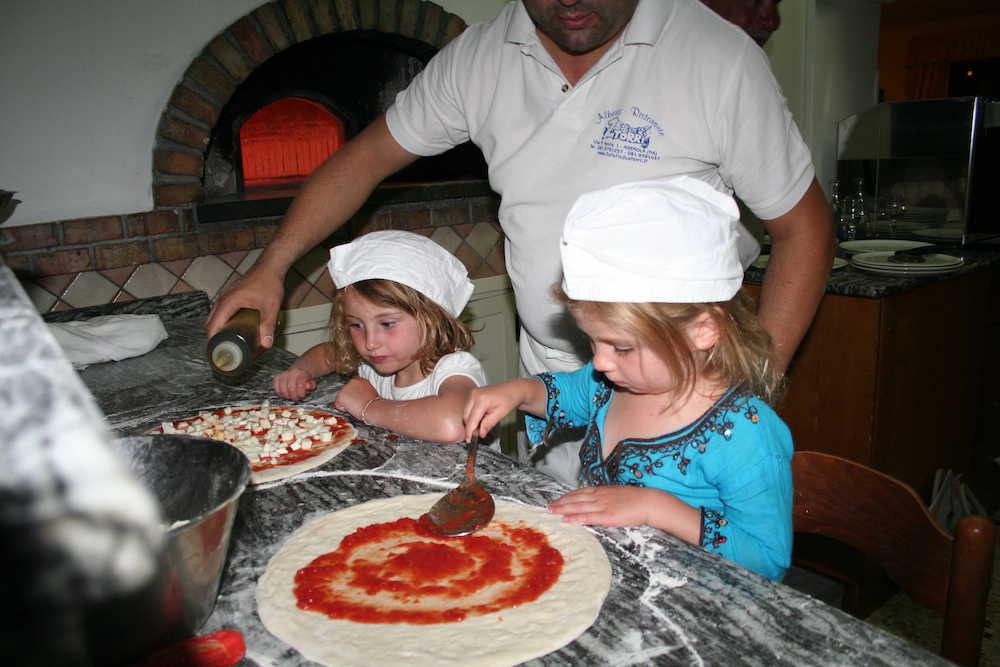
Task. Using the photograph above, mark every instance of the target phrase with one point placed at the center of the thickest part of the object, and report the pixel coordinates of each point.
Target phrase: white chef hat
(407, 258)
(673, 240)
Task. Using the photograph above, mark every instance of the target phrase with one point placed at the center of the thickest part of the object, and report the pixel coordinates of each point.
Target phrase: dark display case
(928, 169)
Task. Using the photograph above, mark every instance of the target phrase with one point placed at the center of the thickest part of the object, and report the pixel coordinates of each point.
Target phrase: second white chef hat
(407, 258)
(673, 240)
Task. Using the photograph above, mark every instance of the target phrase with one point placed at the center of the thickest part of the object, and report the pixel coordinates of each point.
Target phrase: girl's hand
(486, 406)
(293, 384)
(354, 396)
(605, 505)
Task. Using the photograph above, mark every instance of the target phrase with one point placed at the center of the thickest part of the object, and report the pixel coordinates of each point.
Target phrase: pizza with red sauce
(399, 572)
(371, 585)
(280, 441)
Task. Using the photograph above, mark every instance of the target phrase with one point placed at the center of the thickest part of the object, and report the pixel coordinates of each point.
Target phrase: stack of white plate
(933, 264)
(762, 261)
(879, 245)
(942, 234)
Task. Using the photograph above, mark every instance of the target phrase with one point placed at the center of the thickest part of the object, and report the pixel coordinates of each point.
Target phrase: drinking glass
(894, 209)
(864, 224)
(847, 221)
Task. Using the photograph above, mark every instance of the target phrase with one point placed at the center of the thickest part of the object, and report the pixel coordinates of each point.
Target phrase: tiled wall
(77, 263)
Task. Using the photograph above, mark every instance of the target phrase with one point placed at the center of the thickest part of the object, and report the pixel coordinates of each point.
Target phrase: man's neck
(574, 66)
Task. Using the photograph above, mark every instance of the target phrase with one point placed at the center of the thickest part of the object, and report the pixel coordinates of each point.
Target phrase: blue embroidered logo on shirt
(626, 134)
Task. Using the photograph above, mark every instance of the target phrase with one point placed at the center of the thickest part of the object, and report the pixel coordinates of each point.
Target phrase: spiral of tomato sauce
(398, 572)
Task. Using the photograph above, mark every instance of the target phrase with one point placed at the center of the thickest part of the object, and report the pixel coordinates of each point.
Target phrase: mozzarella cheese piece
(262, 434)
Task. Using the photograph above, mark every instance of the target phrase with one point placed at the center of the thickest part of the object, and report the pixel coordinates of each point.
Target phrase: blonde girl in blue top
(680, 435)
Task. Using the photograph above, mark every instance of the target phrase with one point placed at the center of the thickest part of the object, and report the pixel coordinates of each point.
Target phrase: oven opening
(297, 108)
(283, 142)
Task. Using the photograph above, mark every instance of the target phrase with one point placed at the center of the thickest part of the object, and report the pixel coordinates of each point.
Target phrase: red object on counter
(217, 649)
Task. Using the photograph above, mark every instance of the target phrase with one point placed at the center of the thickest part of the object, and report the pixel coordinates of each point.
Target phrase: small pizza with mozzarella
(280, 441)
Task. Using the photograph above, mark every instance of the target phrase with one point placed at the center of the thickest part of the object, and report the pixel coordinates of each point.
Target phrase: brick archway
(211, 79)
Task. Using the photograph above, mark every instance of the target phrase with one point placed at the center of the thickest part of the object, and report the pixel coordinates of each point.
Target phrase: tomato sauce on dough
(399, 572)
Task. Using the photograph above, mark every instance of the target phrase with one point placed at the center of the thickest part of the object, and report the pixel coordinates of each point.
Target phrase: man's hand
(260, 289)
(331, 195)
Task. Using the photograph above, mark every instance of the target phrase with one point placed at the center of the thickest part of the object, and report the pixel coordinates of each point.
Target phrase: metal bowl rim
(241, 483)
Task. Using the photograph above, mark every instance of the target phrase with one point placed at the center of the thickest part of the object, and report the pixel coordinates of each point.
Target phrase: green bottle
(232, 350)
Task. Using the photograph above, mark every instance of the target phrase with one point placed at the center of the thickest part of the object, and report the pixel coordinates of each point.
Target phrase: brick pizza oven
(209, 222)
(191, 148)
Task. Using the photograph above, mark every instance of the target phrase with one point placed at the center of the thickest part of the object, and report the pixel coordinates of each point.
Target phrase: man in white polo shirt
(566, 97)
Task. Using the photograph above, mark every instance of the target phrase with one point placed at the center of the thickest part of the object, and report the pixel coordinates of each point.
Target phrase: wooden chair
(885, 519)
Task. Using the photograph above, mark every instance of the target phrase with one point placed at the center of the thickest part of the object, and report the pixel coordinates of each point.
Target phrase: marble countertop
(852, 281)
(670, 603)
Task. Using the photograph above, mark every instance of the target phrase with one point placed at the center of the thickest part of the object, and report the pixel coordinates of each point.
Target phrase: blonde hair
(440, 333)
(742, 356)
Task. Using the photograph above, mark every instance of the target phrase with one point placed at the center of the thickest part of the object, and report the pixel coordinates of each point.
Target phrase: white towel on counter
(108, 337)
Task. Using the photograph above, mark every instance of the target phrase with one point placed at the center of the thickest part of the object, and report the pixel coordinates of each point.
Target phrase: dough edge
(509, 637)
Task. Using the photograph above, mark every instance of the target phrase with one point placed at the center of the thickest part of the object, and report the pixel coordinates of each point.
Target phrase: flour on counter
(639, 546)
(648, 552)
(660, 580)
(444, 484)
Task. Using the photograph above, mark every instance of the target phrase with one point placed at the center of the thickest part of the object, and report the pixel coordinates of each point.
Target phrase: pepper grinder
(232, 350)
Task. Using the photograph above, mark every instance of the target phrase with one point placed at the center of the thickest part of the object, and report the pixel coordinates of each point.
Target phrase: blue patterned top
(734, 463)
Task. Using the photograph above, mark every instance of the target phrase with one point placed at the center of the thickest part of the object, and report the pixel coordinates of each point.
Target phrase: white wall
(83, 83)
(82, 87)
(785, 50)
(825, 56)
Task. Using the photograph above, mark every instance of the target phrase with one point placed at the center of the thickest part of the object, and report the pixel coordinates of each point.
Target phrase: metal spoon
(466, 508)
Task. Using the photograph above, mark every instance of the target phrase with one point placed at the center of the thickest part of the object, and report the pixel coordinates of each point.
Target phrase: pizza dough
(280, 441)
(506, 637)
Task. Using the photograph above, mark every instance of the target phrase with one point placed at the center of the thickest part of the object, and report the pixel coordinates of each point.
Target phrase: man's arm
(801, 256)
(333, 193)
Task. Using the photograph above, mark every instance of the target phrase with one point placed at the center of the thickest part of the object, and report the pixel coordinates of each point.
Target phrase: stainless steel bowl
(198, 483)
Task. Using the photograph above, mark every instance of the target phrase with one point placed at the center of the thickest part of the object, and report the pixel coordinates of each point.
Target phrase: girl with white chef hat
(680, 435)
(394, 325)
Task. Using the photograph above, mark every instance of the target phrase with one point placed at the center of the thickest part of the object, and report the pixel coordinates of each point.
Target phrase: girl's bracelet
(364, 410)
